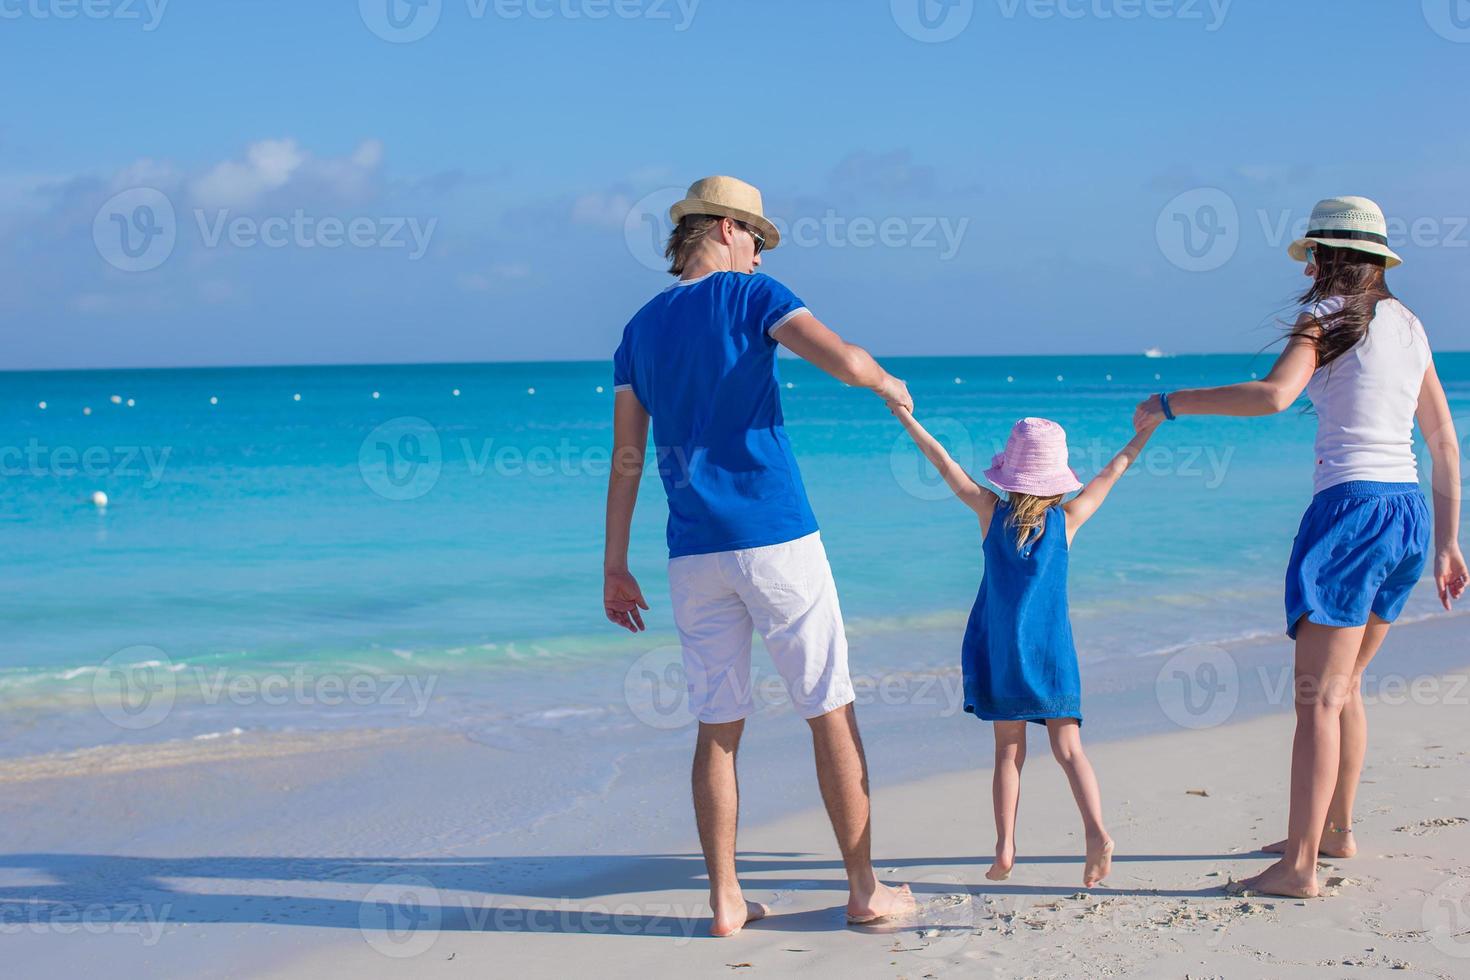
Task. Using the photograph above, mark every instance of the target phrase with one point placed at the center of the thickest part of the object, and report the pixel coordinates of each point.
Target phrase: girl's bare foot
(1280, 879)
(884, 902)
(1005, 860)
(732, 913)
(1099, 862)
(1335, 844)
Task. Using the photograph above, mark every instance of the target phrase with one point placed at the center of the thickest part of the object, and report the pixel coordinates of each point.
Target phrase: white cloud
(270, 165)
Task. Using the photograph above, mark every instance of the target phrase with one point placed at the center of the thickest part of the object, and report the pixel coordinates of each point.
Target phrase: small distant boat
(1155, 352)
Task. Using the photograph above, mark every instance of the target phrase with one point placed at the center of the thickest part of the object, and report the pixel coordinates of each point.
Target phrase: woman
(1364, 361)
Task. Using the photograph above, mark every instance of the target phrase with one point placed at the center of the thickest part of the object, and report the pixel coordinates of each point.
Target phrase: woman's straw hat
(1034, 461)
(1346, 222)
(727, 197)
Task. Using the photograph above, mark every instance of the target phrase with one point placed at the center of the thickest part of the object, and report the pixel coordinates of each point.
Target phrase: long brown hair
(1357, 278)
(1028, 515)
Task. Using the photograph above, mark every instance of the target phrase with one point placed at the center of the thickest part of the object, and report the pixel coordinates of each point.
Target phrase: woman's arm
(1438, 427)
(621, 596)
(972, 494)
(1086, 503)
(1275, 393)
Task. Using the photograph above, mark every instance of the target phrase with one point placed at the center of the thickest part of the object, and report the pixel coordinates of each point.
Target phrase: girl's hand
(1148, 414)
(1450, 575)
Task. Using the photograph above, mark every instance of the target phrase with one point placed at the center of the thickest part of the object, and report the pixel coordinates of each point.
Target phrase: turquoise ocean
(445, 521)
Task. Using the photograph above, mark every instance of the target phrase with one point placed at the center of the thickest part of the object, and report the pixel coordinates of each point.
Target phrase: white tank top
(1366, 400)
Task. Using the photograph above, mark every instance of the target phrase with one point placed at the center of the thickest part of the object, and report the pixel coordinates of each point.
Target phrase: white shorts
(783, 590)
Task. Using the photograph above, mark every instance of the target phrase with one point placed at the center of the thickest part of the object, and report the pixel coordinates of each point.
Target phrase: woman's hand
(1148, 414)
(1450, 575)
(621, 600)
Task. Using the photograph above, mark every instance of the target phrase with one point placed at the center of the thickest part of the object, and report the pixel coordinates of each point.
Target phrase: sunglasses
(760, 242)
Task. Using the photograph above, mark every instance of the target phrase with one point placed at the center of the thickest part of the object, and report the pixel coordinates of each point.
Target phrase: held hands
(1450, 575)
(621, 600)
(1148, 414)
(895, 394)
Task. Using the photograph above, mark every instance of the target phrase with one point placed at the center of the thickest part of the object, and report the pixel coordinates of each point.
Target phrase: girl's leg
(1005, 790)
(1325, 658)
(1337, 833)
(1066, 745)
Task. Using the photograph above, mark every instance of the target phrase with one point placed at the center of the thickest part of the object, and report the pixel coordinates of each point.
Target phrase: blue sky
(343, 192)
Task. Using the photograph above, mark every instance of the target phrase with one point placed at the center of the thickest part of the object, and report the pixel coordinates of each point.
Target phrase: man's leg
(842, 774)
(714, 631)
(717, 812)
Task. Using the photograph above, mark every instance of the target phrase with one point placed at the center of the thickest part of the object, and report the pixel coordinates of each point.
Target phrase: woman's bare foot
(1005, 860)
(883, 903)
(1280, 879)
(1335, 844)
(732, 913)
(1099, 862)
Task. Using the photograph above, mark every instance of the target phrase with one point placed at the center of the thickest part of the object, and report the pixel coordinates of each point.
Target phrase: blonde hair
(1028, 515)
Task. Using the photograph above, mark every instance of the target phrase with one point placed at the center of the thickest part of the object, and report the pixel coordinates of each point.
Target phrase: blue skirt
(1361, 548)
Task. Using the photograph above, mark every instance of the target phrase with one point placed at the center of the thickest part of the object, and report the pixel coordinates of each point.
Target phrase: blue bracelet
(1164, 401)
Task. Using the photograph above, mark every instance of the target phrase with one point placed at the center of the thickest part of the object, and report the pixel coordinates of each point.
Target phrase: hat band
(1357, 236)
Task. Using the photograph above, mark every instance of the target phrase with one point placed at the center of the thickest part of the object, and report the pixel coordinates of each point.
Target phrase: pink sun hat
(1034, 461)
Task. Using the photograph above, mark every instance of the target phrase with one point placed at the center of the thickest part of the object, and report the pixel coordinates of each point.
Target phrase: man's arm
(621, 596)
(808, 338)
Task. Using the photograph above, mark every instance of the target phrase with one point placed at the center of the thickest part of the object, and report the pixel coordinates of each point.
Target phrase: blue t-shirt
(700, 358)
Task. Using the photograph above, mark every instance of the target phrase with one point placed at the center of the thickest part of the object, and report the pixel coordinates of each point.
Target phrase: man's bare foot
(1099, 862)
(1335, 844)
(1005, 860)
(1280, 879)
(732, 913)
(883, 903)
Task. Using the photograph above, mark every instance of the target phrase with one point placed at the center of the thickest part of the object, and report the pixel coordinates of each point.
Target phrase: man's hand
(621, 600)
(895, 394)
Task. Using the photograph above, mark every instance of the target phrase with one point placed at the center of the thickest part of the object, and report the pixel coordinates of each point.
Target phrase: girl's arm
(1450, 575)
(1086, 503)
(1275, 393)
(972, 494)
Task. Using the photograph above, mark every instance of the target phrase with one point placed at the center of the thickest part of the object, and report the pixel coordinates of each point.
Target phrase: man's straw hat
(727, 197)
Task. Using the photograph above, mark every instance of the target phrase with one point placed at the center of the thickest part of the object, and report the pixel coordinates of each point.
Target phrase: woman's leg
(1005, 790)
(1066, 745)
(1325, 658)
(1337, 833)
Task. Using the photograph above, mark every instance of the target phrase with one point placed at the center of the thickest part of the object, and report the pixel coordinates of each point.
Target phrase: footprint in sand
(1431, 826)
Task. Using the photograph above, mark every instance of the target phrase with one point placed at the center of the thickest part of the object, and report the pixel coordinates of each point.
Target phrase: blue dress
(1019, 660)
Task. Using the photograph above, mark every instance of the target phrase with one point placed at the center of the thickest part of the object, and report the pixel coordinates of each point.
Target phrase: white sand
(228, 857)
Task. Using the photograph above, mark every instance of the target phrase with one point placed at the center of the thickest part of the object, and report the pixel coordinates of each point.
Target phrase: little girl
(1019, 661)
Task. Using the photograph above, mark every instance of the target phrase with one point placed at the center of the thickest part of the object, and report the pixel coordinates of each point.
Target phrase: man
(744, 552)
